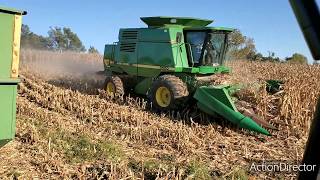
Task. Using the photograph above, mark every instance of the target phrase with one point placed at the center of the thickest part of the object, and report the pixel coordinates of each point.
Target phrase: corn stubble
(67, 127)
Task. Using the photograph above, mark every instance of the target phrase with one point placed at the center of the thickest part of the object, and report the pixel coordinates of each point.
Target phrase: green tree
(25, 30)
(240, 46)
(93, 50)
(271, 57)
(32, 40)
(57, 41)
(64, 39)
(73, 41)
(297, 59)
(258, 57)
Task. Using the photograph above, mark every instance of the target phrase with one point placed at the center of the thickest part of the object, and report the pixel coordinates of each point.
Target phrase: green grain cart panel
(10, 30)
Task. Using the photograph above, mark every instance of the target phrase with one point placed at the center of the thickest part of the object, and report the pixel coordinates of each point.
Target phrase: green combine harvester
(10, 30)
(169, 62)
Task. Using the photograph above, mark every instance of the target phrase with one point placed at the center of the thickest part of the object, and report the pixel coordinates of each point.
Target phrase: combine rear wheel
(113, 85)
(167, 92)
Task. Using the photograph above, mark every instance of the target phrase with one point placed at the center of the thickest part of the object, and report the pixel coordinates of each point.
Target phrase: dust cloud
(72, 70)
(56, 64)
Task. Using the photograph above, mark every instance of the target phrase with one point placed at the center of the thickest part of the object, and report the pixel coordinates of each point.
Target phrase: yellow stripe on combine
(147, 66)
(16, 46)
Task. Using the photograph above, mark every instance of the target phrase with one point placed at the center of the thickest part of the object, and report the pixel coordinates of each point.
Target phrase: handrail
(191, 55)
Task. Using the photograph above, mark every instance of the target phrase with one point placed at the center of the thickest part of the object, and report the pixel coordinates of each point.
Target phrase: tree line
(64, 39)
(58, 39)
(243, 47)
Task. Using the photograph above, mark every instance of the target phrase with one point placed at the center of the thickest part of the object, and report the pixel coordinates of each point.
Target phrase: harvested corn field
(67, 127)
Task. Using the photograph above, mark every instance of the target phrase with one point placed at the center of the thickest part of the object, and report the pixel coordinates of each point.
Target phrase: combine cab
(10, 28)
(166, 61)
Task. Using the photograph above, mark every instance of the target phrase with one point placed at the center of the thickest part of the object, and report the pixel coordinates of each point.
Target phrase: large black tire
(116, 83)
(175, 88)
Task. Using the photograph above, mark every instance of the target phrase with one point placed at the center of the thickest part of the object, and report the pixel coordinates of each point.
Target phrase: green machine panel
(154, 57)
(127, 48)
(6, 30)
(159, 51)
(10, 30)
(7, 112)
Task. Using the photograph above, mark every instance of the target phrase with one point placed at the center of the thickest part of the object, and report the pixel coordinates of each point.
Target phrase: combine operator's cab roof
(187, 22)
(160, 21)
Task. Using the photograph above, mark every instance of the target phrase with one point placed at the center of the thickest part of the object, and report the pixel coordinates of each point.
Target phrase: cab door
(195, 41)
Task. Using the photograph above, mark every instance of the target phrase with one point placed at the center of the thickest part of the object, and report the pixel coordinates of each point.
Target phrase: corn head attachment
(216, 100)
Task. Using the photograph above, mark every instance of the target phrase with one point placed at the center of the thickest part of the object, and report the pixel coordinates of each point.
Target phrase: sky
(271, 23)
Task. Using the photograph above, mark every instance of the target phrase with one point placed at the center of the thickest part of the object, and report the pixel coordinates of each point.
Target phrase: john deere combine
(168, 61)
(10, 28)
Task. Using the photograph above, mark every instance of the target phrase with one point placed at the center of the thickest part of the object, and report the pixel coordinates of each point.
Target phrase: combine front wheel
(167, 92)
(113, 85)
